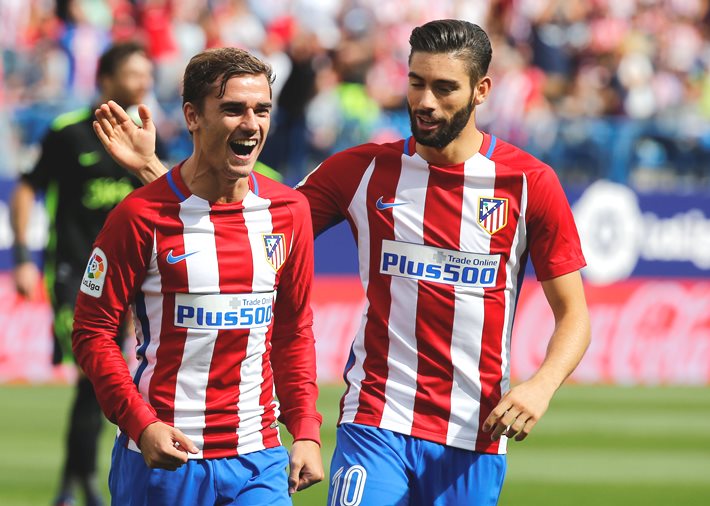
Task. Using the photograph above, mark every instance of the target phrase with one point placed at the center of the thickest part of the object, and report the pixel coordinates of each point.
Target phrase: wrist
(21, 254)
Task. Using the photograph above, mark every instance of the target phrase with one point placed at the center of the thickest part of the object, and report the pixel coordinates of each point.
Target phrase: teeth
(245, 142)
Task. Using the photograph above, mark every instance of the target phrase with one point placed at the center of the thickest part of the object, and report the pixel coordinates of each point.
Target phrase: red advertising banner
(644, 331)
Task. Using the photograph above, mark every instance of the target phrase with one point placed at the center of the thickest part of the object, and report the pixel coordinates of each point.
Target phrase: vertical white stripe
(153, 296)
(358, 212)
(257, 218)
(402, 359)
(479, 181)
(203, 277)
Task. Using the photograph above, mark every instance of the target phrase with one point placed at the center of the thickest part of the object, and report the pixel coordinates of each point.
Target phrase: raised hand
(132, 146)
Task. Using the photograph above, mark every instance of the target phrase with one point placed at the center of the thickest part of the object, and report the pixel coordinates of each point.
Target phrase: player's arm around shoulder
(521, 407)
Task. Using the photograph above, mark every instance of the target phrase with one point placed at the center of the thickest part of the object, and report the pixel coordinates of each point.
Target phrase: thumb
(183, 443)
(293, 478)
(146, 118)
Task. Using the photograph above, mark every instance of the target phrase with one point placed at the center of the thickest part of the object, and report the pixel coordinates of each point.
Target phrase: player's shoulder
(508, 155)
(365, 153)
(145, 201)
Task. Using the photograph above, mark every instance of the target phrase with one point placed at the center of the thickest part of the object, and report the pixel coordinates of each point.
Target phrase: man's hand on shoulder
(165, 447)
(132, 147)
(306, 465)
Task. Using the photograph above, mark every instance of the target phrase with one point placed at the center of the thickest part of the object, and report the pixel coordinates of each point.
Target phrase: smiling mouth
(243, 147)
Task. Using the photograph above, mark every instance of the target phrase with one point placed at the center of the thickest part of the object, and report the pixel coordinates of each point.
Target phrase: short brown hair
(114, 57)
(217, 66)
(461, 39)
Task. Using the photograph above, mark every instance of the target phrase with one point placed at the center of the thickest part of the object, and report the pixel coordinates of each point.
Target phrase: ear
(483, 88)
(191, 114)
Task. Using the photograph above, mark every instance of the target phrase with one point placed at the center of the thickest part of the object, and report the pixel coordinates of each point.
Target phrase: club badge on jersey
(492, 214)
(275, 249)
(95, 274)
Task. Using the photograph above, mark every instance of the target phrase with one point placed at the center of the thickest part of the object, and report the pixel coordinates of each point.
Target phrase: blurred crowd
(597, 88)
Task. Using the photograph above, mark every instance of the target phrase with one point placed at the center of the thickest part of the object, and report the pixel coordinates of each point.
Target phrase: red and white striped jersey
(202, 280)
(442, 252)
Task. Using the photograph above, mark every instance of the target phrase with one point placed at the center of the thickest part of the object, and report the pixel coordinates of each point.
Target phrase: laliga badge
(95, 275)
(275, 249)
(492, 214)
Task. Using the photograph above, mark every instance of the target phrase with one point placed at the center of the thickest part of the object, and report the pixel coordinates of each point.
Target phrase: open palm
(130, 145)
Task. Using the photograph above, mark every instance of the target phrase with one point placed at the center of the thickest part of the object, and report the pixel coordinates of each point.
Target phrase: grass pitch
(596, 446)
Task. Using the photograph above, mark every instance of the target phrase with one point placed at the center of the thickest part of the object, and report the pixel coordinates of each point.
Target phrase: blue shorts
(374, 467)
(257, 478)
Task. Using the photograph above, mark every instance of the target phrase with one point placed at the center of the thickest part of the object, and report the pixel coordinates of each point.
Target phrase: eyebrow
(259, 105)
(450, 82)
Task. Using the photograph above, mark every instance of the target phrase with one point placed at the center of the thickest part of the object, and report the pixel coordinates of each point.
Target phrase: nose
(249, 120)
(427, 99)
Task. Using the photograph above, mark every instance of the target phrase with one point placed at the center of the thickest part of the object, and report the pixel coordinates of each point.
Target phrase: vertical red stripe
(508, 185)
(236, 269)
(442, 225)
(382, 184)
(161, 393)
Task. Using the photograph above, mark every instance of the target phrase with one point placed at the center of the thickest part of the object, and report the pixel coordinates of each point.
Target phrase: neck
(206, 183)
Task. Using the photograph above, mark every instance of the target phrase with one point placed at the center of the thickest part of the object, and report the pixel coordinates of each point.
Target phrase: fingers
(293, 479)
(118, 112)
(183, 443)
(302, 477)
(509, 419)
(164, 446)
(146, 119)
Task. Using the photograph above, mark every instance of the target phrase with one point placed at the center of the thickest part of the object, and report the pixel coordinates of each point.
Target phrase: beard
(447, 132)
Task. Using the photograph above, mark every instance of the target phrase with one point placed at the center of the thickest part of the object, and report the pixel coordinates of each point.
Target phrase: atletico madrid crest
(275, 249)
(492, 214)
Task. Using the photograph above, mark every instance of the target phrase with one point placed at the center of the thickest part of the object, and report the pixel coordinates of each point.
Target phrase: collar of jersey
(180, 189)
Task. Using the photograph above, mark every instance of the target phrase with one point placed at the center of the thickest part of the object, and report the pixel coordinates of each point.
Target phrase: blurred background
(613, 94)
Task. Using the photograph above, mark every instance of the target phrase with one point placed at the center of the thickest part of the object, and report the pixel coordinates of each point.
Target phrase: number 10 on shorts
(348, 486)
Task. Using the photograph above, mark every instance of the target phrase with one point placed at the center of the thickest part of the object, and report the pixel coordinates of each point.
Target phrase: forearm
(21, 206)
(152, 170)
(103, 363)
(565, 349)
(294, 364)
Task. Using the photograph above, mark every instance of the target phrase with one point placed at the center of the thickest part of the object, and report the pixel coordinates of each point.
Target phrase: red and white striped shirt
(442, 251)
(202, 278)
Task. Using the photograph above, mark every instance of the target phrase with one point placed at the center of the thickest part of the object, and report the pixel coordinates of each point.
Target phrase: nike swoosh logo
(387, 205)
(175, 259)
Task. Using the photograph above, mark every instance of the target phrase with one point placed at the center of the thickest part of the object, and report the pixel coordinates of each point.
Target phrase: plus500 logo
(223, 312)
(438, 265)
(244, 318)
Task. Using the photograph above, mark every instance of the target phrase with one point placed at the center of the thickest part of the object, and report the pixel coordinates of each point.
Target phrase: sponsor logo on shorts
(95, 274)
(438, 265)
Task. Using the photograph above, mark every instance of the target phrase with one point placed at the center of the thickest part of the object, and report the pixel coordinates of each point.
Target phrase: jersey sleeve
(116, 267)
(331, 186)
(293, 356)
(553, 239)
